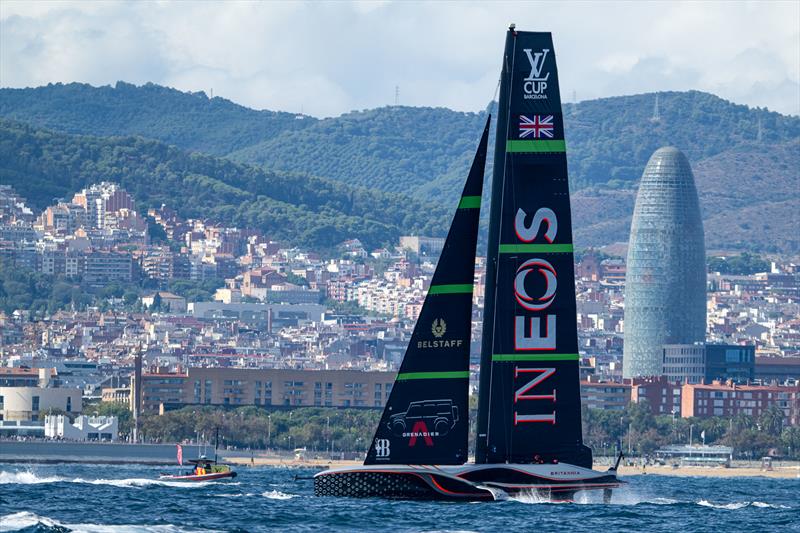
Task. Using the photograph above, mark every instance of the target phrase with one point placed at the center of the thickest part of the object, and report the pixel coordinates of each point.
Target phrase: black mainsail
(529, 404)
(426, 419)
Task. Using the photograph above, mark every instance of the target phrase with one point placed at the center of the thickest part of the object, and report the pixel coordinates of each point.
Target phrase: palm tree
(771, 420)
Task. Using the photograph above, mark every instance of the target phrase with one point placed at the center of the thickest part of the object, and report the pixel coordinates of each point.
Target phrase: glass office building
(665, 282)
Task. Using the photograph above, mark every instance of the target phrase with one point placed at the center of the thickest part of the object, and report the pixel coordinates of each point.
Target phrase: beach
(784, 472)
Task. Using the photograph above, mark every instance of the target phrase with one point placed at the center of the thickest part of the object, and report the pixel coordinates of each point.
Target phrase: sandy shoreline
(785, 472)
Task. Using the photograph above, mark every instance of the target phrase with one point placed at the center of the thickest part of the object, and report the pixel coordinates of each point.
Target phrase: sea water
(104, 498)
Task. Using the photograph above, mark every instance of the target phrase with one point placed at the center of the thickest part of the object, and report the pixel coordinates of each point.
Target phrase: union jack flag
(536, 126)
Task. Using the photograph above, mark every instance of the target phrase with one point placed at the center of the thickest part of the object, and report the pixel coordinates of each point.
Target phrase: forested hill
(306, 211)
(188, 120)
(746, 160)
(423, 151)
(609, 141)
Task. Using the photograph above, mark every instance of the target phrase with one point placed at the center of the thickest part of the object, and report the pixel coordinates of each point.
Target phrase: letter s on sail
(528, 233)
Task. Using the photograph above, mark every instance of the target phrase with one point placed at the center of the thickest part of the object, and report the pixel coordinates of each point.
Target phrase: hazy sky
(329, 58)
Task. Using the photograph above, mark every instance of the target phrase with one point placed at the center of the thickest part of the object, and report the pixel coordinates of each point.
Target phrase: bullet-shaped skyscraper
(665, 284)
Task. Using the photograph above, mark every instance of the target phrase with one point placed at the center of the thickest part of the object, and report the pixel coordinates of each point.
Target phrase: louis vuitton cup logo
(535, 84)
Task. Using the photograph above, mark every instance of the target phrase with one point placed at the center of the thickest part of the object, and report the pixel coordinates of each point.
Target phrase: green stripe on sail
(535, 248)
(465, 288)
(433, 375)
(501, 357)
(470, 202)
(535, 147)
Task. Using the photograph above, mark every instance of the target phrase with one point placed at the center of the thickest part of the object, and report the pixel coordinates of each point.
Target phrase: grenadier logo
(420, 429)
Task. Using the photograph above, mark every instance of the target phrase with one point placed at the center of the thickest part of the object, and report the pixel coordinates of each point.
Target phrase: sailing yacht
(529, 414)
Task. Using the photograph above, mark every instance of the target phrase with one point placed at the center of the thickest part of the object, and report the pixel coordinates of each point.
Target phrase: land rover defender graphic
(438, 416)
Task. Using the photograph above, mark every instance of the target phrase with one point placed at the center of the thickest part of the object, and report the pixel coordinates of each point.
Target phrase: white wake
(23, 520)
(31, 478)
(277, 495)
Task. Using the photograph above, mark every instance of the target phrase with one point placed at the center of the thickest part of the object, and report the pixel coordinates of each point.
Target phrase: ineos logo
(551, 283)
(382, 447)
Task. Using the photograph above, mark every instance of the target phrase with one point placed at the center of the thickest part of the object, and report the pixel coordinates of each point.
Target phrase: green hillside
(422, 151)
(188, 120)
(426, 152)
(42, 165)
(391, 148)
(610, 139)
(749, 199)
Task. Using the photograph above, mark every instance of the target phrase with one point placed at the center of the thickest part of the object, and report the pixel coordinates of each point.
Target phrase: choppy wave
(24, 520)
(628, 499)
(142, 482)
(26, 478)
(740, 505)
(61, 498)
(31, 478)
(277, 495)
(235, 495)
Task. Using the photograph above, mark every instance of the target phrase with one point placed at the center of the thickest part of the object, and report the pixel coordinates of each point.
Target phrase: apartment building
(729, 400)
(268, 387)
(662, 394)
(605, 395)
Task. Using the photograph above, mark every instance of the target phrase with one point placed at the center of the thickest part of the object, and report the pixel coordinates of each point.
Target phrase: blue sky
(327, 58)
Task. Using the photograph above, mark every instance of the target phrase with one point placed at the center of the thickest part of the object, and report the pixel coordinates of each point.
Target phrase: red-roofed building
(729, 400)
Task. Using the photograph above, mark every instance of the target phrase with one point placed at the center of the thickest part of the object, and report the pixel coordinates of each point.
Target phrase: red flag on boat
(180, 455)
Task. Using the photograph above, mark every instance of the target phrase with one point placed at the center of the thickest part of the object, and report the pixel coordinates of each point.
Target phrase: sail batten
(426, 418)
(456, 374)
(452, 288)
(529, 399)
(542, 146)
(533, 248)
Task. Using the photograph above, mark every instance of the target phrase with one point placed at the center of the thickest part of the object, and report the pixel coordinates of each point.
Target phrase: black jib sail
(426, 418)
(529, 406)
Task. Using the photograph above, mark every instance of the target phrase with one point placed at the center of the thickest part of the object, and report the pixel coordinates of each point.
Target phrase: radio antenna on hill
(574, 102)
(396, 95)
(656, 114)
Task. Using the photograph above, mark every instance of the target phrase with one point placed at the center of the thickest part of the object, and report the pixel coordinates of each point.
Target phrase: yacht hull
(468, 482)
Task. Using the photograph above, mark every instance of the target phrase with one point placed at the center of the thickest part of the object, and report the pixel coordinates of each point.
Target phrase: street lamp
(269, 431)
(328, 434)
(673, 424)
(630, 430)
